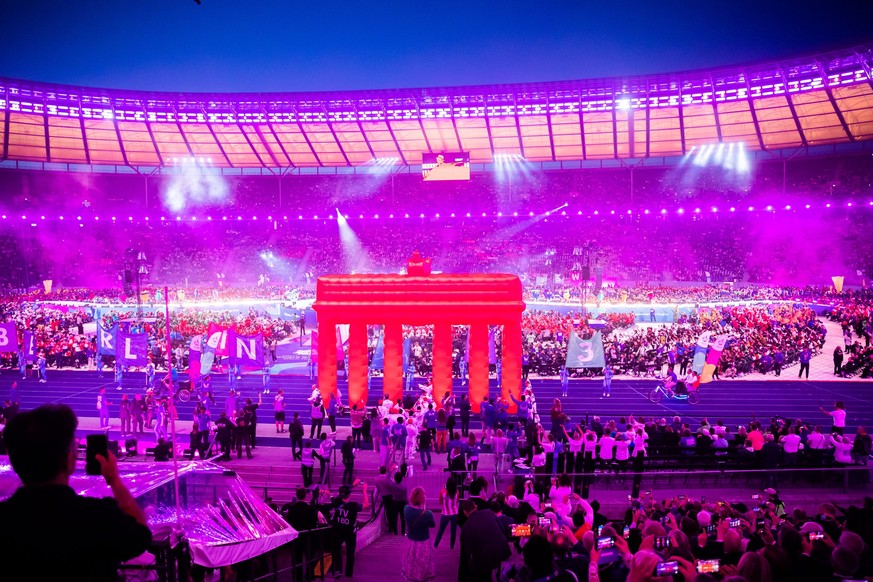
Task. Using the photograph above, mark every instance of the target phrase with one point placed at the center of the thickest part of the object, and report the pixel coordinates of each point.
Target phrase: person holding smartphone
(51, 532)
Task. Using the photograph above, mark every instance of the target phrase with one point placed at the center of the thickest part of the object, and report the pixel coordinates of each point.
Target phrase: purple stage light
(194, 219)
(239, 217)
(579, 213)
(499, 214)
(406, 216)
(733, 209)
(563, 213)
(849, 204)
(646, 211)
(663, 211)
(769, 208)
(629, 212)
(390, 216)
(697, 211)
(437, 215)
(681, 211)
(751, 208)
(714, 209)
(4, 217)
(421, 215)
(516, 213)
(596, 212)
(113, 218)
(807, 207)
(42, 217)
(376, 216)
(60, 217)
(468, 215)
(787, 207)
(300, 217)
(271, 218)
(315, 217)
(77, 218)
(284, 218)
(828, 205)
(360, 216)
(453, 215)
(612, 211)
(255, 217)
(23, 217)
(483, 214)
(177, 218)
(129, 218)
(530, 213)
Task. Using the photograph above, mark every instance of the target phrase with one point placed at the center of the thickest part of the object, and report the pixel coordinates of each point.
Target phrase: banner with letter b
(583, 353)
(8, 337)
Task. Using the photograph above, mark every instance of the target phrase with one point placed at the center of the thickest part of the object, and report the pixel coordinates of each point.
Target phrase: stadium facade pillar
(478, 363)
(393, 365)
(358, 363)
(442, 361)
(511, 358)
(326, 359)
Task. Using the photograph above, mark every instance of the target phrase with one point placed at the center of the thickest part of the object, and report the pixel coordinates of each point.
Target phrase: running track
(734, 402)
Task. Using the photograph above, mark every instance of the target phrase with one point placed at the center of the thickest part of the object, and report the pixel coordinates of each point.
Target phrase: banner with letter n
(29, 346)
(106, 339)
(245, 350)
(582, 353)
(131, 349)
(8, 337)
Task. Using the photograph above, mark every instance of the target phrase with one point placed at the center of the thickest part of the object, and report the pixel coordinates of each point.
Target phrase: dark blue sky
(293, 45)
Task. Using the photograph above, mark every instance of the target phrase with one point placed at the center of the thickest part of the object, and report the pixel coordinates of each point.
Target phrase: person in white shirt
(791, 445)
(839, 416)
(640, 443)
(842, 450)
(621, 451)
(607, 448)
(816, 440)
(559, 495)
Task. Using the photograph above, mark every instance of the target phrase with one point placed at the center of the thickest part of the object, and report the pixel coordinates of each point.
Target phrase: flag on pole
(195, 349)
(245, 350)
(378, 362)
(106, 339)
(713, 357)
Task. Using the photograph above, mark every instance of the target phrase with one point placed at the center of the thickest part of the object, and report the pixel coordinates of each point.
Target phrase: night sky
(290, 45)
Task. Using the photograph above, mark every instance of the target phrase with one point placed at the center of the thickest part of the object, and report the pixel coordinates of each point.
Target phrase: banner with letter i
(29, 346)
(8, 337)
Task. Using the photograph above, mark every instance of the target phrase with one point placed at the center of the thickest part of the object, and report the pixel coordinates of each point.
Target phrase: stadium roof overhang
(819, 100)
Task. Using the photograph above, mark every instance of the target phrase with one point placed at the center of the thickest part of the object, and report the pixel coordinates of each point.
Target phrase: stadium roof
(823, 99)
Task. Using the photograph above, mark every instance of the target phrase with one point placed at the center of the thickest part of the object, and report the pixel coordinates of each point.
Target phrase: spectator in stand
(50, 531)
(417, 564)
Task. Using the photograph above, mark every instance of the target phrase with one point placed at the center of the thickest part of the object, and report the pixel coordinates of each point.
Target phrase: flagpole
(172, 406)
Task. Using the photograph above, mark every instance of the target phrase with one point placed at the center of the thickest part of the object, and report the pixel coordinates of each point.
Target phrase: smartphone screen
(605, 542)
(97, 444)
(625, 534)
(662, 542)
(680, 498)
(520, 530)
(599, 529)
(815, 535)
(544, 521)
(667, 568)
(735, 524)
(759, 523)
(708, 566)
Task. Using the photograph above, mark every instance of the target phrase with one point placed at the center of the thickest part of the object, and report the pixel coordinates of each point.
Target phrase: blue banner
(585, 353)
(245, 350)
(378, 362)
(132, 349)
(407, 352)
(106, 339)
(29, 346)
(492, 348)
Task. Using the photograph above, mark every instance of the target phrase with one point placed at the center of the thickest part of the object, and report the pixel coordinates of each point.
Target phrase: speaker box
(586, 273)
(130, 446)
(113, 447)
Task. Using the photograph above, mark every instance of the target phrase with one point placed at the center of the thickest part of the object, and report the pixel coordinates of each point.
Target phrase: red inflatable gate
(440, 300)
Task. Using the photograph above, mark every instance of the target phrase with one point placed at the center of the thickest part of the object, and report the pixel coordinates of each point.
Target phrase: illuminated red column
(478, 364)
(358, 363)
(326, 359)
(442, 361)
(511, 358)
(393, 371)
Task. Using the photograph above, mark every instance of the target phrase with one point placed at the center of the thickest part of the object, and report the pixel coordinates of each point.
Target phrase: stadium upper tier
(818, 100)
